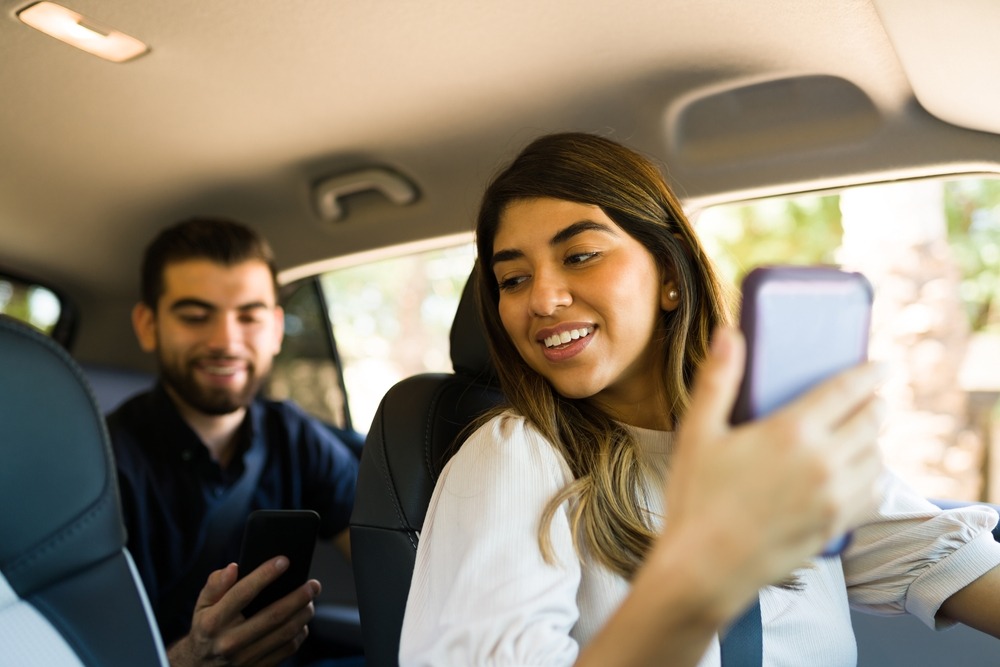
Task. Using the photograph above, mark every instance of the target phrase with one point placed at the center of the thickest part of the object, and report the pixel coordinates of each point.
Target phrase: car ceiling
(242, 106)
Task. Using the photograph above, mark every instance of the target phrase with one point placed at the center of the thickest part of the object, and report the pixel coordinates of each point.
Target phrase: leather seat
(69, 592)
(414, 432)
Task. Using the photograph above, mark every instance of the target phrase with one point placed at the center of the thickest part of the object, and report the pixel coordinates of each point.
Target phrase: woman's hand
(763, 497)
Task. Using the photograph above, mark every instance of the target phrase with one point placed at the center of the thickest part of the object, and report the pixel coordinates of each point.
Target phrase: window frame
(328, 337)
(65, 328)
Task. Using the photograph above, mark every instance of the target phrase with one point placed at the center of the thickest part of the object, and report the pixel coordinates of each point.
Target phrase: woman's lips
(567, 336)
(566, 342)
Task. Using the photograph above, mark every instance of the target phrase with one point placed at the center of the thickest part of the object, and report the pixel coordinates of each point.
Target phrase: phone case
(802, 324)
(270, 533)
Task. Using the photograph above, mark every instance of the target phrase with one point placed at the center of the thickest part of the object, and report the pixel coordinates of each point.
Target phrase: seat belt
(220, 526)
(743, 644)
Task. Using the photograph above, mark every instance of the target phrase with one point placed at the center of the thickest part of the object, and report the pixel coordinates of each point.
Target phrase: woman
(610, 514)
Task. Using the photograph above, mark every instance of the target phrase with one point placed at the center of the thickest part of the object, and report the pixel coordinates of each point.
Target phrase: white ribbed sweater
(481, 593)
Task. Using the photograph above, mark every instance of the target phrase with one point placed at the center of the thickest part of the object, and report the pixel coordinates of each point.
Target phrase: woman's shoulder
(508, 434)
(508, 445)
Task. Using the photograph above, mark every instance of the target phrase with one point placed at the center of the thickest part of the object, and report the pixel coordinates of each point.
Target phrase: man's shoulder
(133, 414)
(294, 418)
(132, 429)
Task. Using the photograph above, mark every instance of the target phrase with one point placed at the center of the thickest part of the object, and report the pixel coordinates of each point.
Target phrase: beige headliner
(243, 104)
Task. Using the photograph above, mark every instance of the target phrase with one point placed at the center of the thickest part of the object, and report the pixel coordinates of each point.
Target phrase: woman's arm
(978, 604)
(745, 507)
(676, 608)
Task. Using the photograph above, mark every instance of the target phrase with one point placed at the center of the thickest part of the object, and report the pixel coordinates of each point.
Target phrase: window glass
(392, 319)
(931, 249)
(32, 303)
(306, 370)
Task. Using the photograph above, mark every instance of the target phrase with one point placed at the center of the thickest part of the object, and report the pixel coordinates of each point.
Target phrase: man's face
(215, 332)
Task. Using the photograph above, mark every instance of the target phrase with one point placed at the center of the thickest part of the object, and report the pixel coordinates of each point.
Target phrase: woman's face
(580, 299)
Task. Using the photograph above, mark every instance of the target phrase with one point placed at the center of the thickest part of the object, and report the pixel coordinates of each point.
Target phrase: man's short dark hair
(218, 240)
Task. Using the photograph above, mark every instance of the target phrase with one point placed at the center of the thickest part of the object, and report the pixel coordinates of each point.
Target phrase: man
(200, 451)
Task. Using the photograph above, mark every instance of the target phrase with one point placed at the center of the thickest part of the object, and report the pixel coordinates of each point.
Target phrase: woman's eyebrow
(561, 236)
(504, 256)
(567, 233)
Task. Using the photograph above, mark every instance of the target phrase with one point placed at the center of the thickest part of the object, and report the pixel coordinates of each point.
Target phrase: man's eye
(193, 318)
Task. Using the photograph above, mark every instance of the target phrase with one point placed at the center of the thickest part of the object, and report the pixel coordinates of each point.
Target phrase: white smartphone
(803, 324)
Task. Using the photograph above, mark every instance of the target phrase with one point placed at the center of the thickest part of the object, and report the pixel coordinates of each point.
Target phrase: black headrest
(470, 354)
(415, 430)
(57, 481)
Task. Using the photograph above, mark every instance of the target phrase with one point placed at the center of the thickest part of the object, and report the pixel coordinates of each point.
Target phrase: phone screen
(802, 325)
(270, 533)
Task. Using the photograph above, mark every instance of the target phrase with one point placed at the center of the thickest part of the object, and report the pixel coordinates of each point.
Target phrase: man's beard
(209, 401)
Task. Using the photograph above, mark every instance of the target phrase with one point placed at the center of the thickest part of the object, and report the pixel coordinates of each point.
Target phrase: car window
(37, 305)
(391, 318)
(307, 370)
(931, 249)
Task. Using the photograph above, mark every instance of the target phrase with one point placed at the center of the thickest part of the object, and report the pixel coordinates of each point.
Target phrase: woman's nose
(549, 293)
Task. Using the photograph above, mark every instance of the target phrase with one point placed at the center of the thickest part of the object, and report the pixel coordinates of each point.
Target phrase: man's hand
(220, 635)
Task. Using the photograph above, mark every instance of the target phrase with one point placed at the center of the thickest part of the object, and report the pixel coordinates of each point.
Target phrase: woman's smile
(580, 299)
(565, 342)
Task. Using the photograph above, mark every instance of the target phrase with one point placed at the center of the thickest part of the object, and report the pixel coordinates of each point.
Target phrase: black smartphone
(802, 324)
(270, 533)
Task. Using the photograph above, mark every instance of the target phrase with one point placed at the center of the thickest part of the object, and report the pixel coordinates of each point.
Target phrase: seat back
(69, 592)
(413, 434)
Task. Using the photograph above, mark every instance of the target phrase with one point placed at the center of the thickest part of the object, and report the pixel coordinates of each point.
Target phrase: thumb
(716, 385)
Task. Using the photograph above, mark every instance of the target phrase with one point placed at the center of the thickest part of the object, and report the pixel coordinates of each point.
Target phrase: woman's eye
(508, 284)
(581, 257)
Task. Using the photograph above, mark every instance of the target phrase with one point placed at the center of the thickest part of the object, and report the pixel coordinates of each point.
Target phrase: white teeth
(566, 336)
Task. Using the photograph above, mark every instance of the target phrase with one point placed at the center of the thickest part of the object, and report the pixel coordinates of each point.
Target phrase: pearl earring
(673, 295)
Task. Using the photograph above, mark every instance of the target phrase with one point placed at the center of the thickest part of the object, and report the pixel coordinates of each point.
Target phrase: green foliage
(807, 230)
(972, 209)
(375, 305)
(799, 230)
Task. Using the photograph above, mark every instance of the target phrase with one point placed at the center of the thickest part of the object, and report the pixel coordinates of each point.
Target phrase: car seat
(69, 592)
(413, 433)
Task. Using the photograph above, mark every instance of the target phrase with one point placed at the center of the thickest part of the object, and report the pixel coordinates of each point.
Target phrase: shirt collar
(178, 439)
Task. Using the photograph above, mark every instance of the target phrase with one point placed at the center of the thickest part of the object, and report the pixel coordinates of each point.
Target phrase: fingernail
(281, 563)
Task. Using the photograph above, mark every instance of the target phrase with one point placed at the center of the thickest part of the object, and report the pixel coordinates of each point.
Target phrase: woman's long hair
(605, 499)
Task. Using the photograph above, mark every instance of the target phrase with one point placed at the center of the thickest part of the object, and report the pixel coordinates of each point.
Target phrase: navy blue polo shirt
(169, 484)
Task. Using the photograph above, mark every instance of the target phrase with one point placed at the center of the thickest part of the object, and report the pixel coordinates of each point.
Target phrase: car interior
(414, 432)
(358, 139)
(63, 548)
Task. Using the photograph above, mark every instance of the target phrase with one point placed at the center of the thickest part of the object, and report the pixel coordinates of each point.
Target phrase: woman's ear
(670, 295)
(670, 291)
